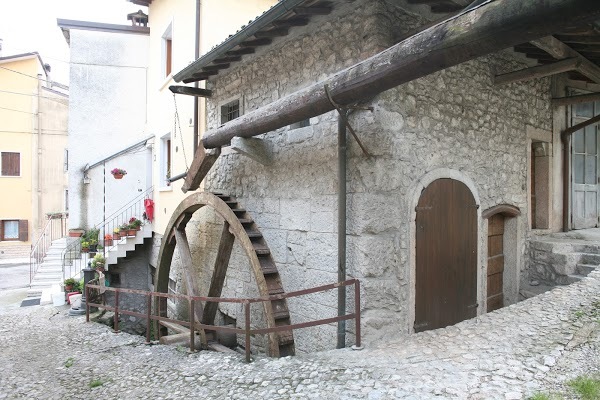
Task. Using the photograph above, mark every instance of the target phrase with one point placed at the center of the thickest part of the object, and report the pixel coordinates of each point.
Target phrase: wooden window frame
(167, 52)
(18, 175)
(23, 230)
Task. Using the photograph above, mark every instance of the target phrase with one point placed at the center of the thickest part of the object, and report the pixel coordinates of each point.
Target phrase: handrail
(73, 263)
(247, 331)
(49, 234)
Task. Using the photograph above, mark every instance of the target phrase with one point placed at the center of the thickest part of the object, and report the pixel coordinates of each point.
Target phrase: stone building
(460, 167)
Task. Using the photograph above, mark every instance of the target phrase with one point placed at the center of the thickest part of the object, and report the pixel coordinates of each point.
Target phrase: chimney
(138, 18)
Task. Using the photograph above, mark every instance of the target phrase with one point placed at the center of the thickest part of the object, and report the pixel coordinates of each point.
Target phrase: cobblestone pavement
(533, 346)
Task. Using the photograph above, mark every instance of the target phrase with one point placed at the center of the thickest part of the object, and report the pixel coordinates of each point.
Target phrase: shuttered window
(14, 230)
(11, 164)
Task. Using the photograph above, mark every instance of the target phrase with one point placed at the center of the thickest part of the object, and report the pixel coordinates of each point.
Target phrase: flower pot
(85, 249)
(76, 232)
(137, 228)
(108, 242)
(131, 232)
(118, 176)
(116, 236)
(68, 288)
(123, 234)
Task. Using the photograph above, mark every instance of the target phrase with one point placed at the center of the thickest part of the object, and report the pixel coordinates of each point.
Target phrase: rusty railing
(246, 331)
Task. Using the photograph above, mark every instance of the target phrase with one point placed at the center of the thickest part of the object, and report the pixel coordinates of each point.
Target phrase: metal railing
(247, 331)
(55, 228)
(72, 260)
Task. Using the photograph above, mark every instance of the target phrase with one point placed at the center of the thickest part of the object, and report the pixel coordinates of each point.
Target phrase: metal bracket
(345, 118)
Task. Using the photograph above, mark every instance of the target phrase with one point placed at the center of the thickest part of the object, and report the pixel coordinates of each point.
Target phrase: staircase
(50, 271)
(128, 243)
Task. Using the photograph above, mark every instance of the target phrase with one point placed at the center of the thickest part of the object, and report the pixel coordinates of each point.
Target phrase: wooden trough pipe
(475, 33)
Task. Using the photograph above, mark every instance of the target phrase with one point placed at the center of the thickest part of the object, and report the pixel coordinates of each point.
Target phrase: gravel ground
(534, 346)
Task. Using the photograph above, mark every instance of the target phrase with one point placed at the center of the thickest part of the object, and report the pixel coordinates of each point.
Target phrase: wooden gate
(446, 270)
(495, 274)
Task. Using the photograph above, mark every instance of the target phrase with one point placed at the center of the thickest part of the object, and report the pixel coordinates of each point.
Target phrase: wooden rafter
(559, 50)
(190, 91)
(272, 33)
(583, 98)
(312, 10)
(575, 128)
(540, 71)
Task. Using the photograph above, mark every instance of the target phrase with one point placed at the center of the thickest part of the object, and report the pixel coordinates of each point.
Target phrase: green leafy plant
(69, 362)
(85, 244)
(96, 383)
(98, 261)
(587, 387)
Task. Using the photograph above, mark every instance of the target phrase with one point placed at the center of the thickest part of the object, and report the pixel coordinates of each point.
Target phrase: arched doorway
(446, 255)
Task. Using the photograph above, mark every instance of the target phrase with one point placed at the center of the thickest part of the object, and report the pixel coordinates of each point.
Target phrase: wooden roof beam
(257, 42)
(559, 50)
(229, 59)
(240, 52)
(312, 10)
(287, 23)
(216, 67)
(190, 91)
(540, 71)
(272, 33)
(583, 98)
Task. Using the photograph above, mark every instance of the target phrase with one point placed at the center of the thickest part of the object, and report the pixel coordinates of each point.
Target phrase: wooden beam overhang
(559, 50)
(575, 128)
(540, 71)
(190, 91)
(569, 100)
(272, 33)
(477, 32)
(312, 10)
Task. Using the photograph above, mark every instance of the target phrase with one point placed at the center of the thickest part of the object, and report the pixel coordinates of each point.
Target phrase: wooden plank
(495, 302)
(272, 33)
(496, 225)
(188, 272)
(583, 98)
(219, 272)
(540, 71)
(312, 10)
(496, 265)
(478, 32)
(257, 42)
(495, 245)
(288, 23)
(190, 91)
(202, 163)
(216, 67)
(559, 50)
(494, 285)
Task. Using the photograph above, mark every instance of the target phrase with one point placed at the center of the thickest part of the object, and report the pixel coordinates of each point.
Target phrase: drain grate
(30, 302)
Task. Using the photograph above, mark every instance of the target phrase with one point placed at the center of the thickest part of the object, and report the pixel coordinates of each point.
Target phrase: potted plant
(135, 223)
(93, 245)
(85, 246)
(98, 262)
(123, 230)
(108, 240)
(69, 284)
(77, 232)
(117, 233)
(118, 173)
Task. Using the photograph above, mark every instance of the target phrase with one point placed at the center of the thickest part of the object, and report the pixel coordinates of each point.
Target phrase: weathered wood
(540, 71)
(180, 339)
(558, 49)
(287, 23)
(215, 67)
(227, 59)
(575, 128)
(272, 33)
(504, 209)
(219, 272)
(257, 42)
(242, 51)
(583, 98)
(190, 91)
(312, 10)
(480, 31)
(202, 163)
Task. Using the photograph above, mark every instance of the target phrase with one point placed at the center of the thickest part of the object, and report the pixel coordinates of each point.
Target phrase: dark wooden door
(446, 272)
(495, 274)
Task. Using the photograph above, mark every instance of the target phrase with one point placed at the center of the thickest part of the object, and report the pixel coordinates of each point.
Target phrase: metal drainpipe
(196, 56)
(566, 195)
(341, 328)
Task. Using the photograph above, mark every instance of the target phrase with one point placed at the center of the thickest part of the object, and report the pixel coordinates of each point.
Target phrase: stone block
(295, 214)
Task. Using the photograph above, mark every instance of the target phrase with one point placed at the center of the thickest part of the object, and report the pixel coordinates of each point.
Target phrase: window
(167, 51)
(11, 164)
(165, 163)
(66, 161)
(302, 124)
(14, 230)
(230, 111)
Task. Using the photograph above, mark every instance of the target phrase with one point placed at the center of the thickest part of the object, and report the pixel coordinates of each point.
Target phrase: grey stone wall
(454, 120)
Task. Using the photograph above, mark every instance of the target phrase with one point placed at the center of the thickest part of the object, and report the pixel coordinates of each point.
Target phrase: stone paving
(534, 346)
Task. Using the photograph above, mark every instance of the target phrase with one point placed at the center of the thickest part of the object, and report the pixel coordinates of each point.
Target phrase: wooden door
(584, 169)
(495, 273)
(446, 271)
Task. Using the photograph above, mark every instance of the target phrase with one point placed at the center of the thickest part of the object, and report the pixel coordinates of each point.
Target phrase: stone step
(585, 269)
(588, 258)
(44, 284)
(568, 279)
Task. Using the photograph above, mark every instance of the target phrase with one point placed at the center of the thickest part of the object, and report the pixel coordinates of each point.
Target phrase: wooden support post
(480, 31)
(219, 272)
(540, 71)
(203, 162)
(575, 128)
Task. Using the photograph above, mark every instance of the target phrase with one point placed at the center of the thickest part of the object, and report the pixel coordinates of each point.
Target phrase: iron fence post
(87, 303)
(357, 310)
(116, 322)
(247, 328)
(192, 323)
(148, 319)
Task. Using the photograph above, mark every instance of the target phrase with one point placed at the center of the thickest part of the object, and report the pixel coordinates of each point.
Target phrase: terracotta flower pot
(108, 242)
(85, 249)
(131, 232)
(118, 176)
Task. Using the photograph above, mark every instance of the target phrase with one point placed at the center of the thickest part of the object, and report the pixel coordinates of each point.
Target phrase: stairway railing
(55, 228)
(72, 259)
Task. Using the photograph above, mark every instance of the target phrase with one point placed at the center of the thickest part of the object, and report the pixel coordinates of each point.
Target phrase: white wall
(107, 113)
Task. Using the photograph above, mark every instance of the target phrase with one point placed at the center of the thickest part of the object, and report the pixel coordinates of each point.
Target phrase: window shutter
(11, 164)
(23, 230)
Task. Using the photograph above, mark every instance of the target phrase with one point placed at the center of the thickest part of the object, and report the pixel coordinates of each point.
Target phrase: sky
(30, 25)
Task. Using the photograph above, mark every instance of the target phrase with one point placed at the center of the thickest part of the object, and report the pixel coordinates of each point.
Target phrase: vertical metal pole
(157, 322)
(247, 310)
(116, 322)
(87, 303)
(104, 208)
(192, 323)
(357, 310)
(341, 327)
(148, 315)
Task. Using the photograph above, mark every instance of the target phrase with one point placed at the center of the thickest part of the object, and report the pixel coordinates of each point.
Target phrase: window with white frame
(11, 164)
(167, 51)
(14, 230)
(165, 160)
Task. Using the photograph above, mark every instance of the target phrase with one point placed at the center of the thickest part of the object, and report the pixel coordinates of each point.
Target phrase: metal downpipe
(196, 56)
(341, 327)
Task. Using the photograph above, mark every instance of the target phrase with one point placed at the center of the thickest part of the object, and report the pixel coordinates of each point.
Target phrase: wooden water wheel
(238, 225)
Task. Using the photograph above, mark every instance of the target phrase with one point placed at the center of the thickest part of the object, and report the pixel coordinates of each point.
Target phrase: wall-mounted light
(86, 179)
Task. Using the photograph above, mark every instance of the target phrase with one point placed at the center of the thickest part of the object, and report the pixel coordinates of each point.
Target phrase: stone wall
(452, 123)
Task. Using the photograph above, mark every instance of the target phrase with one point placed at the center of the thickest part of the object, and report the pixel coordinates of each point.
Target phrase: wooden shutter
(169, 55)
(11, 164)
(23, 230)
